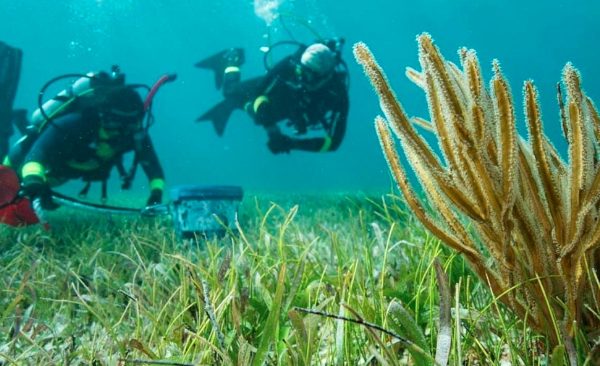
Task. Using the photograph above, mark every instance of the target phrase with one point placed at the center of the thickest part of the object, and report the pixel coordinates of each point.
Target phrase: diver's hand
(34, 187)
(279, 143)
(155, 197)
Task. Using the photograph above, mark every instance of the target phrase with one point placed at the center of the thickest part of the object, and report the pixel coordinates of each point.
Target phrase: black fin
(219, 115)
(219, 61)
(10, 72)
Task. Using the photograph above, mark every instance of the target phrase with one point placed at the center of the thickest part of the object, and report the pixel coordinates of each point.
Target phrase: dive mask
(311, 79)
(121, 120)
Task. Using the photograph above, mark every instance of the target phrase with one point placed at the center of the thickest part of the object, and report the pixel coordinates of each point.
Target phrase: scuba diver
(308, 90)
(82, 133)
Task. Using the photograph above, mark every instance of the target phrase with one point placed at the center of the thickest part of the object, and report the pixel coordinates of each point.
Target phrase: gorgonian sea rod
(525, 219)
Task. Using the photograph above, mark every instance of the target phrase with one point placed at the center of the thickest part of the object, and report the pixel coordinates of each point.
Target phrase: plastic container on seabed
(204, 210)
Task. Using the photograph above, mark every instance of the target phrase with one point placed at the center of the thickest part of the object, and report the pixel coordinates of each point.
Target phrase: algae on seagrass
(525, 219)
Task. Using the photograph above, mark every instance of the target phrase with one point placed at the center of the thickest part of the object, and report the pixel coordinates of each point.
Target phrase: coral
(525, 219)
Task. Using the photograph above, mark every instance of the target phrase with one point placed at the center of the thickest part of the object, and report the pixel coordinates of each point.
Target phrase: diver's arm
(317, 144)
(338, 126)
(280, 143)
(333, 136)
(152, 168)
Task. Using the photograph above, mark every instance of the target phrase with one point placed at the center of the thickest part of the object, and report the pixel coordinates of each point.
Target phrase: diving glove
(279, 143)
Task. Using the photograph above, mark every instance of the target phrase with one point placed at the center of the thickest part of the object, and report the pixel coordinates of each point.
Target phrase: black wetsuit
(283, 95)
(75, 146)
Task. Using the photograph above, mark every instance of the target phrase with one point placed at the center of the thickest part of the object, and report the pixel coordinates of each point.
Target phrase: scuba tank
(86, 87)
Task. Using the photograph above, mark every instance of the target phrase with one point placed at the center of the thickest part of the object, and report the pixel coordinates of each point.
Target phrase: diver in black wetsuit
(86, 143)
(309, 89)
(10, 71)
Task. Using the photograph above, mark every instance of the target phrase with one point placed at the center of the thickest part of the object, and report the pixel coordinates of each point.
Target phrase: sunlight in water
(267, 10)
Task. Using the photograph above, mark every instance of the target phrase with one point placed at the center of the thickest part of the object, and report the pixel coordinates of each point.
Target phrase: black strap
(127, 178)
(104, 196)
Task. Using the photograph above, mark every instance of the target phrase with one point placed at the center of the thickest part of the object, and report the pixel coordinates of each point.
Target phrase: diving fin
(10, 185)
(19, 120)
(10, 72)
(220, 61)
(219, 115)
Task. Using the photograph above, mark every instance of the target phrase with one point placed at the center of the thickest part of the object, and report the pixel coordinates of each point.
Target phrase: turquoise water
(532, 39)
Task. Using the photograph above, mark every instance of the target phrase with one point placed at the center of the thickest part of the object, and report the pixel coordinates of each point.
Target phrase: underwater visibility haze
(532, 40)
(320, 266)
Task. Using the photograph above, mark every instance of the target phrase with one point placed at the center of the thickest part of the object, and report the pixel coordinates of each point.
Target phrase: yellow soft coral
(495, 194)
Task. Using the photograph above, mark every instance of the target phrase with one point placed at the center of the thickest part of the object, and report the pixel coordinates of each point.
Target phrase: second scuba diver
(82, 133)
(308, 90)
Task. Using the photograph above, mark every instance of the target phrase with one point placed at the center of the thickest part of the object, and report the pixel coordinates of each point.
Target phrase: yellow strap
(157, 183)
(230, 69)
(33, 168)
(6, 162)
(326, 144)
(259, 101)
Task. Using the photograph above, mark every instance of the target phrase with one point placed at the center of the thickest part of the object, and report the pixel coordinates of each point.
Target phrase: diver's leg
(10, 71)
(223, 63)
(234, 58)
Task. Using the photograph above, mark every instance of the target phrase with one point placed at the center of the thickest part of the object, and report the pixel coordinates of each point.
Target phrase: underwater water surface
(532, 40)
